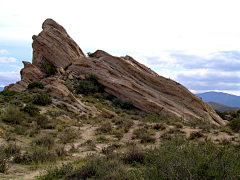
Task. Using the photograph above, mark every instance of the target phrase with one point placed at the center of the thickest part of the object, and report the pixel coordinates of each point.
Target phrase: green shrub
(146, 138)
(12, 149)
(48, 69)
(235, 124)
(105, 128)
(89, 86)
(67, 136)
(86, 87)
(127, 105)
(13, 115)
(68, 84)
(42, 99)
(42, 121)
(134, 155)
(138, 132)
(100, 168)
(57, 172)
(110, 97)
(8, 93)
(197, 134)
(183, 159)
(98, 95)
(44, 141)
(41, 154)
(160, 126)
(4, 161)
(31, 110)
(36, 84)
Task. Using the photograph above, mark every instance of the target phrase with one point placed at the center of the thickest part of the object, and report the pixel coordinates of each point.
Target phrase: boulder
(108, 114)
(55, 46)
(70, 77)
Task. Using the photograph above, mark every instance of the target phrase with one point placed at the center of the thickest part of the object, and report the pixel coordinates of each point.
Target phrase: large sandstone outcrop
(55, 46)
(124, 77)
(129, 80)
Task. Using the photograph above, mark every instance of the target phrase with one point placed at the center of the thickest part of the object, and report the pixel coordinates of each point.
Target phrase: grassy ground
(38, 143)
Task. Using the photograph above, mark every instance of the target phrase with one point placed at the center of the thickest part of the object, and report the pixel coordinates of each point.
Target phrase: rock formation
(55, 46)
(124, 77)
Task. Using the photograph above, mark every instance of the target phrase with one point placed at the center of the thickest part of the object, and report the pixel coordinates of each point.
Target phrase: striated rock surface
(127, 79)
(60, 93)
(55, 46)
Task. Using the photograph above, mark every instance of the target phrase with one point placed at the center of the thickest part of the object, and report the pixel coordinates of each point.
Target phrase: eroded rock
(55, 46)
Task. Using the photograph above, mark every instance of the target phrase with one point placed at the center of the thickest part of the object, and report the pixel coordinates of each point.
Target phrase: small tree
(48, 69)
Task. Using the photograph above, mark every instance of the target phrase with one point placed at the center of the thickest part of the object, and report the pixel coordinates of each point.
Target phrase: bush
(12, 149)
(183, 159)
(146, 138)
(13, 115)
(8, 93)
(123, 104)
(127, 105)
(67, 136)
(68, 84)
(160, 126)
(36, 84)
(31, 110)
(89, 86)
(95, 168)
(110, 97)
(86, 87)
(105, 128)
(134, 155)
(4, 161)
(42, 99)
(48, 69)
(196, 134)
(42, 121)
(44, 141)
(235, 124)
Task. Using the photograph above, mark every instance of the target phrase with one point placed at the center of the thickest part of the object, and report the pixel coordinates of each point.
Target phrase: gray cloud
(7, 78)
(222, 60)
(217, 71)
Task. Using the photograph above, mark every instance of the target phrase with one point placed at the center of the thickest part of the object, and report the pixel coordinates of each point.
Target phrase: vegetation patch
(36, 84)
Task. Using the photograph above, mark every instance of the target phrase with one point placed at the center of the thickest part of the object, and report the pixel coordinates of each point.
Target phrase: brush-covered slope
(124, 77)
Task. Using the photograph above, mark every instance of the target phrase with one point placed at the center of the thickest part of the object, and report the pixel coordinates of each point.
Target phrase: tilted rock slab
(127, 79)
(29, 73)
(55, 46)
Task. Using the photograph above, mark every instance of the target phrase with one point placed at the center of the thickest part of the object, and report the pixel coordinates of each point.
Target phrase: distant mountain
(222, 107)
(1, 88)
(222, 98)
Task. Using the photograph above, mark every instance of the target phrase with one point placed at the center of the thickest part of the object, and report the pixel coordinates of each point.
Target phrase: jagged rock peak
(55, 46)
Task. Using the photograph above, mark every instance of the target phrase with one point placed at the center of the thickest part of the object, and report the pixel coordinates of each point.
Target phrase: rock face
(124, 77)
(55, 46)
(127, 79)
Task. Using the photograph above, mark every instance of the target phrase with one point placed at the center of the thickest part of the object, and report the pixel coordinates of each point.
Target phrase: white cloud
(7, 78)
(8, 60)
(3, 51)
(17, 68)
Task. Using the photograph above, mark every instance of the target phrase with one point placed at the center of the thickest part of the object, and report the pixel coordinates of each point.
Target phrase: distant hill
(222, 98)
(222, 107)
(1, 88)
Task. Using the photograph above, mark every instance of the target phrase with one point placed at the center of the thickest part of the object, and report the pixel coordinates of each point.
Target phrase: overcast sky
(196, 43)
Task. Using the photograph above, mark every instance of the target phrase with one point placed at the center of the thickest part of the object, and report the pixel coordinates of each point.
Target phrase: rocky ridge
(124, 77)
